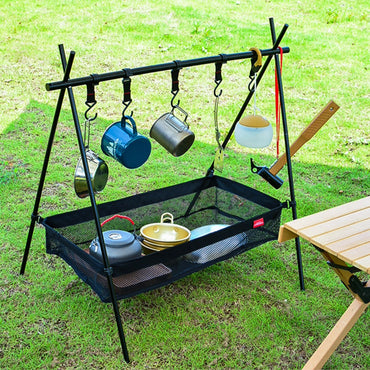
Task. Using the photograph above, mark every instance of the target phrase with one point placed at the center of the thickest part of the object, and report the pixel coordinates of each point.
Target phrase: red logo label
(258, 223)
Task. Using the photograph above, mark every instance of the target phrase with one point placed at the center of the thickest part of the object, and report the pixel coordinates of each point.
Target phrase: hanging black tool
(270, 174)
(219, 157)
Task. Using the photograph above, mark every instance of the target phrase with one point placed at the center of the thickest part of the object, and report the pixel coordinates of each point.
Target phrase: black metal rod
(46, 162)
(97, 78)
(250, 95)
(96, 216)
(287, 151)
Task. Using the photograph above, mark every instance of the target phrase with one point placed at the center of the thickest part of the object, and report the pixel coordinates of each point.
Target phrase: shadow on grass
(228, 305)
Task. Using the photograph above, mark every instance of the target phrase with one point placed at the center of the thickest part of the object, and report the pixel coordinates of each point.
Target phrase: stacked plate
(162, 235)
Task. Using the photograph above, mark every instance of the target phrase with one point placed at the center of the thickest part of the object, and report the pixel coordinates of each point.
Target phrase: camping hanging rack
(192, 191)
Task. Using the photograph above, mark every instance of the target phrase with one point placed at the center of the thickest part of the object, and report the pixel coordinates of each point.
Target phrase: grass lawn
(244, 313)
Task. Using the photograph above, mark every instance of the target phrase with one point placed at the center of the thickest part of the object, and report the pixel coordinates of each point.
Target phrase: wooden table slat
(337, 223)
(354, 255)
(285, 234)
(331, 237)
(363, 264)
(344, 246)
(329, 214)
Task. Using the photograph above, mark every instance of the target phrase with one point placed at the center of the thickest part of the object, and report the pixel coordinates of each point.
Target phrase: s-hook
(126, 81)
(175, 83)
(90, 101)
(217, 95)
(218, 162)
(218, 75)
(87, 124)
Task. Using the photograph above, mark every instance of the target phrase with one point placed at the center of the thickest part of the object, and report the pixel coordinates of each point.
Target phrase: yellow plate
(165, 233)
(150, 249)
(162, 244)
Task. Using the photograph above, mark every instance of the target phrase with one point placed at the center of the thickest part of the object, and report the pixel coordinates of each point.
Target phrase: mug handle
(133, 125)
(182, 111)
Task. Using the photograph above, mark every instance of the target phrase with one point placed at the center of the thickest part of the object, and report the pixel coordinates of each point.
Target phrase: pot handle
(132, 122)
(167, 216)
(117, 216)
(182, 111)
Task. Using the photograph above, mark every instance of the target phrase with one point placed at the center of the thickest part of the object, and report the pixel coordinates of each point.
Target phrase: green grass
(244, 313)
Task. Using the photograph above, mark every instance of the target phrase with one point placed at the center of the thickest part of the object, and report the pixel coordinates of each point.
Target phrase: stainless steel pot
(98, 173)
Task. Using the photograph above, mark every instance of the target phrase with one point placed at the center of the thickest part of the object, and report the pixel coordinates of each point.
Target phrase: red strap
(277, 104)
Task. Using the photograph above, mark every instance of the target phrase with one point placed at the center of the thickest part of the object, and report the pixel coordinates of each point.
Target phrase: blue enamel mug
(122, 142)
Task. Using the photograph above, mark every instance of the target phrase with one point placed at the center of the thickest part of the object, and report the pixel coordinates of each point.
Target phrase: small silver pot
(98, 172)
(172, 133)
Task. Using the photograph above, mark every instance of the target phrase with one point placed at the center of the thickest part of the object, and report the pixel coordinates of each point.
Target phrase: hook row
(256, 62)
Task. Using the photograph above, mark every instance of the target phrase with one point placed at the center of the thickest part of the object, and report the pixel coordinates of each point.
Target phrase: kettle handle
(117, 216)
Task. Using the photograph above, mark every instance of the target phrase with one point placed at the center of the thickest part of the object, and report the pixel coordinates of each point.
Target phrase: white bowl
(253, 132)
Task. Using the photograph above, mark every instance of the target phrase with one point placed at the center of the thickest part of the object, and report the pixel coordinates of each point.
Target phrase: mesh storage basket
(252, 218)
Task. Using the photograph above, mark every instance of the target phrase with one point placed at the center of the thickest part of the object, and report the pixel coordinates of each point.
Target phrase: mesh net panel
(208, 201)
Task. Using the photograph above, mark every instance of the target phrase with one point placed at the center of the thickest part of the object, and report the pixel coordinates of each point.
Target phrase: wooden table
(342, 235)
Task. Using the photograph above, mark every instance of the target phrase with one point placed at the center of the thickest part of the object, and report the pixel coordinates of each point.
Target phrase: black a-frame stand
(94, 79)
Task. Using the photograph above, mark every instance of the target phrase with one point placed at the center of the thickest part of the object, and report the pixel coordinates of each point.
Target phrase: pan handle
(167, 217)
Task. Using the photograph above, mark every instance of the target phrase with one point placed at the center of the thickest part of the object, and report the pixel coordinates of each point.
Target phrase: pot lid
(117, 238)
(254, 121)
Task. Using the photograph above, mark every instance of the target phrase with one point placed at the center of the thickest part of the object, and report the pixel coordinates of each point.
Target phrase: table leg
(337, 334)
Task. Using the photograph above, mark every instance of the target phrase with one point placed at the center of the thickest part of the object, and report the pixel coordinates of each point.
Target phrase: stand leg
(287, 151)
(108, 269)
(45, 165)
(299, 259)
(336, 335)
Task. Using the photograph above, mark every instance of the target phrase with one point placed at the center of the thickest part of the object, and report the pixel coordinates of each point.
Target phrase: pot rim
(168, 225)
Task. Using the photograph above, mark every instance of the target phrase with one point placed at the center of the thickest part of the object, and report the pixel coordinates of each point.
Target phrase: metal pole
(97, 78)
(107, 269)
(287, 151)
(34, 217)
